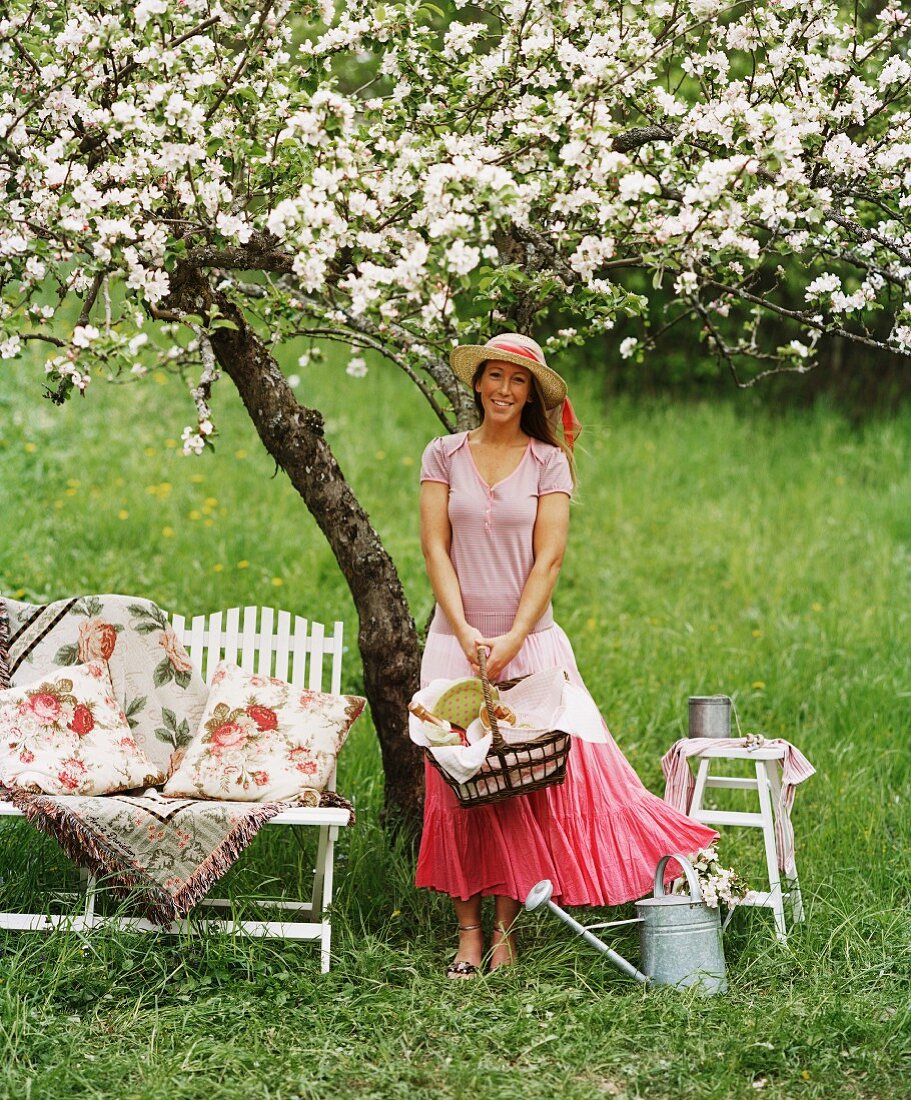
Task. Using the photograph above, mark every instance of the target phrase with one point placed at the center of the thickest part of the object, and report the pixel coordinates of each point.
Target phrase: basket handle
(498, 743)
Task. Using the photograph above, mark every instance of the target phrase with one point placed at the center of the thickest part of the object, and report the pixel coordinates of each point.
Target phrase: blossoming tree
(191, 183)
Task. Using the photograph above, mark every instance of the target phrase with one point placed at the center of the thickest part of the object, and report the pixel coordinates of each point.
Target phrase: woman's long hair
(534, 420)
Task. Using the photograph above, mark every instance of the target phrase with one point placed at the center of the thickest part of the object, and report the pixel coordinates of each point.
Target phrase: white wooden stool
(768, 786)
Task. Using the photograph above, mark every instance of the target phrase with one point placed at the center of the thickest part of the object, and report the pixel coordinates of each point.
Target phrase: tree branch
(807, 320)
(55, 340)
(260, 254)
(91, 297)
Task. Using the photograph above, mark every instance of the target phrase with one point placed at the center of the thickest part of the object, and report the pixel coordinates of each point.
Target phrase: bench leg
(326, 870)
(323, 859)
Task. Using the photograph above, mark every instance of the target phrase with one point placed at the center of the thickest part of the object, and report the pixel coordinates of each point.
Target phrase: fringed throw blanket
(173, 849)
(165, 853)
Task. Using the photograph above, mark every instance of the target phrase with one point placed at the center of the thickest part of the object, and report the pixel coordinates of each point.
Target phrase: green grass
(713, 548)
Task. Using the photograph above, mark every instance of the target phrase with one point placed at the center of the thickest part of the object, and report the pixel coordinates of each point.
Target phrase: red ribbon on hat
(572, 426)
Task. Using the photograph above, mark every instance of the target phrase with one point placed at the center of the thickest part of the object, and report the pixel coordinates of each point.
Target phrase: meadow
(715, 547)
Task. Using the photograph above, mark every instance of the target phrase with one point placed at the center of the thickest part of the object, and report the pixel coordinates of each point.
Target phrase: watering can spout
(540, 893)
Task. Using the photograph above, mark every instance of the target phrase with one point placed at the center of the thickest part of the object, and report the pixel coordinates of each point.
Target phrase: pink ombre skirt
(598, 837)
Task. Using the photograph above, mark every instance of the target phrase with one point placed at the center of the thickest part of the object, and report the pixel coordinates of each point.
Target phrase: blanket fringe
(334, 801)
(127, 880)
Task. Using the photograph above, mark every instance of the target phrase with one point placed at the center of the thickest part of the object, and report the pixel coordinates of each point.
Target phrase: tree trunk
(293, 436)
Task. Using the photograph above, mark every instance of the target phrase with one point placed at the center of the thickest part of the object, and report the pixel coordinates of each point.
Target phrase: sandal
(461, 968)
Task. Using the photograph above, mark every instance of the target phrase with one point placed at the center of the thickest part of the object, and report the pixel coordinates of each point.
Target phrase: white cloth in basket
(542, 702)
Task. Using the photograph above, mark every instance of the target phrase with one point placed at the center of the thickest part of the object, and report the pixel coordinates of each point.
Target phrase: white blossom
(461, 258)
(83, 335)
(10, 347)
(823, 284)
(193, 442)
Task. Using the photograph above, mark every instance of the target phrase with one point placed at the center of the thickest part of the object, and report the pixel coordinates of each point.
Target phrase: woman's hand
(500, 651)
(469, 639)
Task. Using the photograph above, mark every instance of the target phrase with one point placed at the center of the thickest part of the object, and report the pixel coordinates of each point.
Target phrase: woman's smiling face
(504, 389)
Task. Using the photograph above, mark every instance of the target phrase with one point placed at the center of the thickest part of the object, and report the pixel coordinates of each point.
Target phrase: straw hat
(511, 347)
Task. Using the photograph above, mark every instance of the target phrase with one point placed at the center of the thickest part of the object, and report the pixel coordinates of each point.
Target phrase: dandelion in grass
(277, 582)
(241, 454)
(816, 606)
(58, 503)
(380, 455)
(150, 452)
(243, 564)
(197, 479)
(123, 514)
(217, 567)
(30, 448)
(757, 633)
(167, 532)
(170, 444)
(759, 685)
(195, 515)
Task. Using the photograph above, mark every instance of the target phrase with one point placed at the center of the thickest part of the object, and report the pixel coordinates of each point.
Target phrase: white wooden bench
(293, 649)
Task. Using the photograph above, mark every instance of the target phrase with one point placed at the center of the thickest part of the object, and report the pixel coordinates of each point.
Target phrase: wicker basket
(510, 770)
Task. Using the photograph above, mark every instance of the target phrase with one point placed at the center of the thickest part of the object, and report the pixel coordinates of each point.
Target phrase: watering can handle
(688, 870)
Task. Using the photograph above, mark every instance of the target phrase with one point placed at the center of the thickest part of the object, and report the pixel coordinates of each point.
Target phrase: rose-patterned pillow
(262, 740)
(69, 735)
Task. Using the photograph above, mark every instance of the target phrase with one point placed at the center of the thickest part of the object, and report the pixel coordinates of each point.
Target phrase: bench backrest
(278, 644)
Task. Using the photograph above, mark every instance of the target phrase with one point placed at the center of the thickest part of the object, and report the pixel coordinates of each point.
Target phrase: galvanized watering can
(679, 937)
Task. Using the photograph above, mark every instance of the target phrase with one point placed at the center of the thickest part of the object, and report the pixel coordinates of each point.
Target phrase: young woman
(494, 520)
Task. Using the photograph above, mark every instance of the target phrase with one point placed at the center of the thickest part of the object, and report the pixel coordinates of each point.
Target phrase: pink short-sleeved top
(492, 546)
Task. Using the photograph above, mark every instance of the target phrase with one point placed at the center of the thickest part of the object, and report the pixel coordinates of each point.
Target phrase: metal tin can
(710, 716)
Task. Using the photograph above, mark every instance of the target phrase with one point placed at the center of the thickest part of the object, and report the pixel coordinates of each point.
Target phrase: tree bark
(293, 436)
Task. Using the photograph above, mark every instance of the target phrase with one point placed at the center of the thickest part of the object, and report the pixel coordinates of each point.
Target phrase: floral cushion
(67, 734)
(262, 740)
